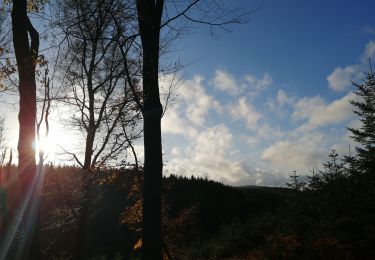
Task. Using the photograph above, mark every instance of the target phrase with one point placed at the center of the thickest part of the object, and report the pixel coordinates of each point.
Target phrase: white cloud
(267, 133)
(307, 106)
(213, 141)
(245, 111)
(255, 85)
(175, 151)
(210, 151)
(198, 102)
(262, 177)
(318, 114)
(173, 123)
(212, 154)
(209, 156)
(249, 84)
(225, 82)
(369, 52)
(301, 153)
(281, 100)
(341, 77)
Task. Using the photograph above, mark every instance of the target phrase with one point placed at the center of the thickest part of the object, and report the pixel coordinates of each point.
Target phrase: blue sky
(273, 94)
(269, 98)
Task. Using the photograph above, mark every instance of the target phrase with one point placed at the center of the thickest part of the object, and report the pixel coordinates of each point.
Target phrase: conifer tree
(365, 135)
(295, 184)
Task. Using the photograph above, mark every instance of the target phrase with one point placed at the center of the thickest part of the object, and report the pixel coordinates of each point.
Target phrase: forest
(99, 65)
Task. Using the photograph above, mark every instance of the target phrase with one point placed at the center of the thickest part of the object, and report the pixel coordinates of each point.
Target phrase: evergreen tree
(365, 135)
(295, 184)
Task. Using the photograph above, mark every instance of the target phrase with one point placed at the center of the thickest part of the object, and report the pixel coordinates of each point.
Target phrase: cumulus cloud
(267, 133)
(209, 155)
(174, 123)
(242, 110)
(198, 102)
(281, 100)
(301, 153)
(257, 85)
(225, 82)
(263, 177)
(249, 84)
(341, 77)
(369, 52)
(212, 154)
(307, 106)
(319, 114)
(211, 149)
(304, 147)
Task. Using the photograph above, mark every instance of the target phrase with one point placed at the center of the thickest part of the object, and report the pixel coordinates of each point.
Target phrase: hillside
(204, 219)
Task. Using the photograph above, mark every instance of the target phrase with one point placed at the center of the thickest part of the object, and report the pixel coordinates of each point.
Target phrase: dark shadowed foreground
(331, 217)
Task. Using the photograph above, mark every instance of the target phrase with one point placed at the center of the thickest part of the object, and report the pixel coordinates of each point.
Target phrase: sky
(272, 96)
(266, 99)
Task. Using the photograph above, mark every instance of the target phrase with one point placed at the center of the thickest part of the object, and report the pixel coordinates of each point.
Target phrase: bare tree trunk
(149, 19)
(153, 166)
(81, 231)
(83, 216)
(26, 54)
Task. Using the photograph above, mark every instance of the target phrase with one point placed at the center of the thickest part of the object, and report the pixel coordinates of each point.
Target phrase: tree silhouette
(150, 14)
(92, 73)
(365, 135)
(26, 53)
(295, 183)
(149, 19)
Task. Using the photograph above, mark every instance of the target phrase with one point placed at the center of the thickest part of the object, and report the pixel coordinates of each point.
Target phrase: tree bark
(149, 19)
(26, 54)
(83, 216)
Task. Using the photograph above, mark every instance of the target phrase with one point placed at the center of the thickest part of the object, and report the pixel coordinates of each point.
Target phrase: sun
(51, 145)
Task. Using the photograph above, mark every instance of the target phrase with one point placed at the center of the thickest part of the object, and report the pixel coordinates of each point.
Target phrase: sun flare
(52, 144)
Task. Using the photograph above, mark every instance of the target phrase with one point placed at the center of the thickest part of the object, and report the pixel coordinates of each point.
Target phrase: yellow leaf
(138, 245)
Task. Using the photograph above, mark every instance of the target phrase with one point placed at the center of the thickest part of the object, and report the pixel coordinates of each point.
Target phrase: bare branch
(72, 154)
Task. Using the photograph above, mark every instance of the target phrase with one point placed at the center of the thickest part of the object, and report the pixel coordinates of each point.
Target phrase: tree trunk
(151, 222)
(83, 216)
(149, 19)
(26, 54)
(81, 231)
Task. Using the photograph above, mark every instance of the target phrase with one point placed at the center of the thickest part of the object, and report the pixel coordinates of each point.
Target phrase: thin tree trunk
(83, 216)
(81, 231)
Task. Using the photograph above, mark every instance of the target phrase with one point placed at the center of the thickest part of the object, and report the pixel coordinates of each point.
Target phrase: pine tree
(333, 169)
(295, 184)
(365, 135)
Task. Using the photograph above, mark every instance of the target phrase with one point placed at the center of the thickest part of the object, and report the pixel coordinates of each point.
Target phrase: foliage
(365, 135)
(295, 184)
(203, 219)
